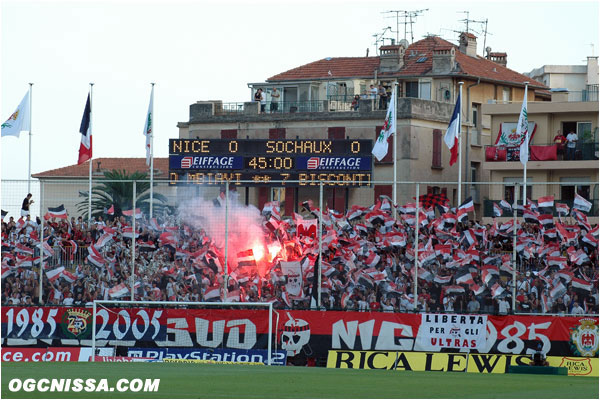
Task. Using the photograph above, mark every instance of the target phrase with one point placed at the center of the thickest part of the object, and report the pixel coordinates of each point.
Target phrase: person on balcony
(274, 100)
(571, 144)
(354, 104)
(382, 97)
(559, 141)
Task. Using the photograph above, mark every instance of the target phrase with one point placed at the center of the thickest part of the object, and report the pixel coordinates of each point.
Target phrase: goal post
(126, 303)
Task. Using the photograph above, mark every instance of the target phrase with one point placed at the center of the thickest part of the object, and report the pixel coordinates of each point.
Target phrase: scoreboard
(260, 162)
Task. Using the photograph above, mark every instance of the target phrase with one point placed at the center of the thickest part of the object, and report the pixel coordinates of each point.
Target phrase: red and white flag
(546, 202)
(118, 291)
(54, 274)
(581, 204)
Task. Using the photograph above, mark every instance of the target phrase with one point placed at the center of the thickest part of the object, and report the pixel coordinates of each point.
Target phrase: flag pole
(416, 248)
(30, 110)
(514, 252)
(460, 85)
(41, 289)
(395, 187)
(90, 171)
(152, 153)
(527, 144)
(132, 277)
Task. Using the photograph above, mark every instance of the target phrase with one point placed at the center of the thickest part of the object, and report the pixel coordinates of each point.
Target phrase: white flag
(148, 129)
(19, 120)
(523, 131)
(389, 128)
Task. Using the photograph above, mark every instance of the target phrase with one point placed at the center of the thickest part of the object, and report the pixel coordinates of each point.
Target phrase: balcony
(541, 152)
(488, 208)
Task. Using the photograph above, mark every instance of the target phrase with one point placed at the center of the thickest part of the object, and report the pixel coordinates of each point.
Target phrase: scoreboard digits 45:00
(345, 162)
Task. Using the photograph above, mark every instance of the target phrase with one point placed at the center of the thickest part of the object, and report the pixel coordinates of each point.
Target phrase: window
(425, 90)
(412, 89)
(474, 178)
(567, 192)
(389, 157)
(476, 115)
(505, 95)
(336, 132)
(229, 133)
(436, 161)
(509, 189)
(379, 190)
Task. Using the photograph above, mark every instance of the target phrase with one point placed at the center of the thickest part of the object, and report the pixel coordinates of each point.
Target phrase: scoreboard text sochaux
(291, 147)
(261, 161)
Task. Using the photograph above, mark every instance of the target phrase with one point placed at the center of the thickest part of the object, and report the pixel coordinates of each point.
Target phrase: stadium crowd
(368, 259)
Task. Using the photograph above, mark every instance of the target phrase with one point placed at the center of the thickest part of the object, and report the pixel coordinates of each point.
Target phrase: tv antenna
(484, 25)
(379, 38)
(409, 18)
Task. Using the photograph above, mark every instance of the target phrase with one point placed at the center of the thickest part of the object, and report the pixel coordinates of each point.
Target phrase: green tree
(116, 189)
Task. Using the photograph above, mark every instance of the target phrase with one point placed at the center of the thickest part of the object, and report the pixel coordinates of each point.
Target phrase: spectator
(559, 141)
(571, 145)
(274, 100)
(382, 97)
(355, 103)
(503, 306)
(577, 310)
(373, 92)
(559, 307)
(473, 305)
(27, 201)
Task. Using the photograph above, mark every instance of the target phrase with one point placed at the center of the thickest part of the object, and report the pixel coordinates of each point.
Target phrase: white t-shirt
(373, 91)
(503, 306)
(571, 139)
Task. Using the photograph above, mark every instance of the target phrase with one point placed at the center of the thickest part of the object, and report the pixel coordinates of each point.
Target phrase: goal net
(223, 331)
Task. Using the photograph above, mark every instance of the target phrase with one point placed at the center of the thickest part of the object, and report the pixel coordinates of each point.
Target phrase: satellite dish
(404, 43)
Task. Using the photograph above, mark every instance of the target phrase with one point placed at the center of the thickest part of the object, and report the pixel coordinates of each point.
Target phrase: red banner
(300, 333)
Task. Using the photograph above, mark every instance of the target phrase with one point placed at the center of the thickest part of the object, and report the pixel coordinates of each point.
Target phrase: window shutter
(229, 133)
(436, 161)
(336, 132)
(277, 133)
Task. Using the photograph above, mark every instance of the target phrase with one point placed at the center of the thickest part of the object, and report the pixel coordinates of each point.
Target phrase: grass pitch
(244, 381)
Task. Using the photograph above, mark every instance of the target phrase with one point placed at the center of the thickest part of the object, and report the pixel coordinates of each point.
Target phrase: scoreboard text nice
(344, 162)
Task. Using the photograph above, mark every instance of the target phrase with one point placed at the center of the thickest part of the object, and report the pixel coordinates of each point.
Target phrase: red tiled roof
(477, 67)
(341, 67)
(130, 165)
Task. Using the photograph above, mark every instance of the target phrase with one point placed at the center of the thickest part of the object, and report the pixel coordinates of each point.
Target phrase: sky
(206, 50)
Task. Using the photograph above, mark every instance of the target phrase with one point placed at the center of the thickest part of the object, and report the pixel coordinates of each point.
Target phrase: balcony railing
(543, 152)
(488, 208)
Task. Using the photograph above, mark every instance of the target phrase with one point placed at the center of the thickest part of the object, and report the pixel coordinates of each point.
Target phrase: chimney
(391, 58)
(468, 44)
(443, 59)
(498, 58)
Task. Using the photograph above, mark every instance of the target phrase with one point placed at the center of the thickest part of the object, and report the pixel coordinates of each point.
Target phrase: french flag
(453, 132)
(57, 212)
(85, 148)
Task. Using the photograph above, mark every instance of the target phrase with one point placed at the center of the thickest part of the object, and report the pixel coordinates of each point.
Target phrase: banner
(62, 354)
(438, 331)
(299, 333)
(507, 135)
(452, 362)
(278, 357)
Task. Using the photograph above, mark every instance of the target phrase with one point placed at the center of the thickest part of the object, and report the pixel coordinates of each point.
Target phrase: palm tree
(117, 190)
